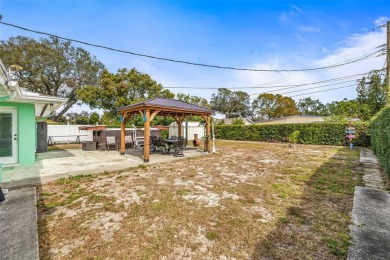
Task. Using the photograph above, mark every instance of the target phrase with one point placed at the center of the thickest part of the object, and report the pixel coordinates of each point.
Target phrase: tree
(81, 118)
(345, 109)
(308, 106)
(123, 88)
(202, 102)
(268, 106)
(51, 67)
(238, 121)
(232, 104)
(199, 101)
(94, 118)
(371, 91)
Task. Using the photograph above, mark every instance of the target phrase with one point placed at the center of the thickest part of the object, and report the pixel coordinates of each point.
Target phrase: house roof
(164, 103)
(231, 120)
(93, 127)
(10, 91)
(294, 116)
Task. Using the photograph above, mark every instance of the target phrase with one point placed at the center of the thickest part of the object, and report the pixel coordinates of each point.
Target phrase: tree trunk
(63, 111)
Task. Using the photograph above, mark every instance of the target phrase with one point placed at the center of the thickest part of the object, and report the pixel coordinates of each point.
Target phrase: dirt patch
(248, 201)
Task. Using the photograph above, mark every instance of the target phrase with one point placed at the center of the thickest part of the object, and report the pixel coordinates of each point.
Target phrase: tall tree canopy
(51, 67)
(344, 109)
(231, 103)
(121, 89)
(308, 106)
(199, 101)
(268, 106)
(371, 92)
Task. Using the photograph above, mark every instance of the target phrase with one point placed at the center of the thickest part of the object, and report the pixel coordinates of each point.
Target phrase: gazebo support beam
(179, 120)
(207, 120)
(146, 135)
(123, 133)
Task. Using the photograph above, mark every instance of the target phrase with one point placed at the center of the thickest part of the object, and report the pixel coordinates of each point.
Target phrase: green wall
(26, 131)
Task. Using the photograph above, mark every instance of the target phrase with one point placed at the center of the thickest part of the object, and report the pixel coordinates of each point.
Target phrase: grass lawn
(249, 201)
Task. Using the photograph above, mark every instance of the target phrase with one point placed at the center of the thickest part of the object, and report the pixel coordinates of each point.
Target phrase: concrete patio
(64, 163)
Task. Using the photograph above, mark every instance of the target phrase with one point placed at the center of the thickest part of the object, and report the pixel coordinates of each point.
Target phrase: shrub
(164, 133)
(380, 137)
(293, 138)
(313, 133)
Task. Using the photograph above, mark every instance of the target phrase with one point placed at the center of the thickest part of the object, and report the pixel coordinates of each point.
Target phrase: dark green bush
(315, 133)
(380, 137)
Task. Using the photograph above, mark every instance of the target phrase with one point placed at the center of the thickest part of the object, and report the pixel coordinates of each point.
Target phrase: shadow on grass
(316, 227)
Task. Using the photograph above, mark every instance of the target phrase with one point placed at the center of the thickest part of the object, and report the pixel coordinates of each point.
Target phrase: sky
(272, 35)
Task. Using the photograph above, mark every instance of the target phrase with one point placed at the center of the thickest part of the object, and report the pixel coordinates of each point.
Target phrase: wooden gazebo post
(208, 132)
(123, 132)
(179, 120)
(146, 135)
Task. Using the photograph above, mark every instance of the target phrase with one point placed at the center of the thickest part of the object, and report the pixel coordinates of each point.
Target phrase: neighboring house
(297, 119)
(18, 110)
(230, 121)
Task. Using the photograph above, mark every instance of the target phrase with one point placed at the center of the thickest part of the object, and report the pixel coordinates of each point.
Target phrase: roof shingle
(167, 103)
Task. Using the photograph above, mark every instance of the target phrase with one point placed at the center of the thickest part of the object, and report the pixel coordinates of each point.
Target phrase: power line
(280, 86)
(323, 90)
(379, 27)
(182, 61)
(323, 81)
(299, 76)
(316, 87)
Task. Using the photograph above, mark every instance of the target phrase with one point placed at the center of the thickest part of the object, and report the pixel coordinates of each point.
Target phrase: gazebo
(164, 107)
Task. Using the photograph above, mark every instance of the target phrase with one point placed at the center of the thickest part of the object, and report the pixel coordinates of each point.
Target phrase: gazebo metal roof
(167, 106)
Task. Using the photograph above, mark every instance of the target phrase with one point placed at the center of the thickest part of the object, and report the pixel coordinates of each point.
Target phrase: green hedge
(315, 133)
(380, 137)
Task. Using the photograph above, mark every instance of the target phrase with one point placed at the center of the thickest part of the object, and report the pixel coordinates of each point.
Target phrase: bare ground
(249, 201)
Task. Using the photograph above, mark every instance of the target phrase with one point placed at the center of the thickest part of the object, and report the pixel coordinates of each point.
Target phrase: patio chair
(178, 147)
(163, 146)
(110, 141)
(155, 143)
(173, 137)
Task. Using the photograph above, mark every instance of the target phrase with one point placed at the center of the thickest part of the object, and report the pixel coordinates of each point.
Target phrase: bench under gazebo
(163, 107)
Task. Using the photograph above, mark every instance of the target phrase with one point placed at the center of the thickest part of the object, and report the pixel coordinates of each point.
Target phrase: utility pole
(388, 62)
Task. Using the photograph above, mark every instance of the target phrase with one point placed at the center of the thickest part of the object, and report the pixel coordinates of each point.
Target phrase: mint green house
(18, 112)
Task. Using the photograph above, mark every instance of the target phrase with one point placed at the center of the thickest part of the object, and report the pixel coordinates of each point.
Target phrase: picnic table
(50, 139)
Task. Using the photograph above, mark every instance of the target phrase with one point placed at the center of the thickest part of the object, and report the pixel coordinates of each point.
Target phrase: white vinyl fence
(67, 134)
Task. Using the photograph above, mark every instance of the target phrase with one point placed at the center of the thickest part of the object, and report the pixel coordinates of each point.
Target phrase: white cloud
(310, 29)
(283, 18)
(380, 21)
(295, 9)
(354, 46)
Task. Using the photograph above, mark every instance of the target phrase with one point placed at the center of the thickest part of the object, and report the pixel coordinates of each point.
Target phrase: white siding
(193, 128)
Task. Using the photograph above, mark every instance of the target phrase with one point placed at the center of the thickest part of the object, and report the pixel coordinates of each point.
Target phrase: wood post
(147, 135)
(207, 120)
(123, 133)
(179, 127)
(208, 133)
(179, 121)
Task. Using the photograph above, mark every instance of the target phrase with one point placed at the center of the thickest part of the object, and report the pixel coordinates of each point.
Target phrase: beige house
(297, 119)
(230, 121)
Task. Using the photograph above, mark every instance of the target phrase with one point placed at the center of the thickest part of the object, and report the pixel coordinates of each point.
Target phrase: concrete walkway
(64, 163)
(370, 230)
(18, 213)
(18, 225)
